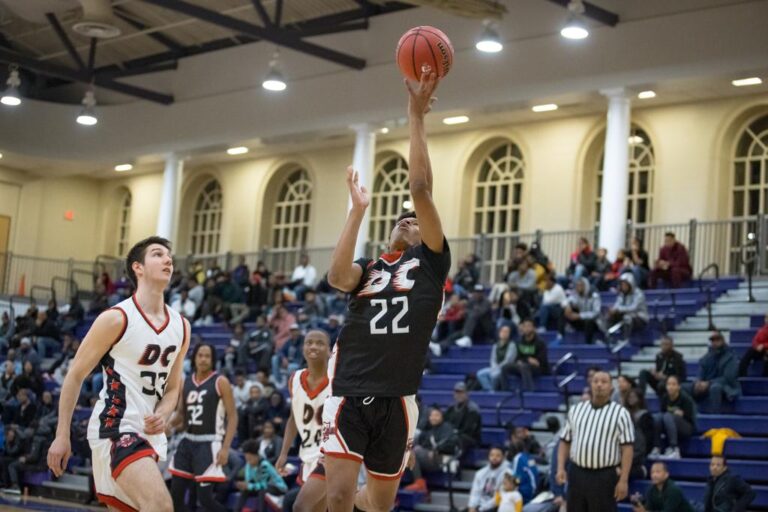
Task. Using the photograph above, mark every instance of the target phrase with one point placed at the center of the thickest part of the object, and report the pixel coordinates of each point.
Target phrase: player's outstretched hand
(154, 424)
(58, 455)
(222, 457)
(357, 193)
(421, 94)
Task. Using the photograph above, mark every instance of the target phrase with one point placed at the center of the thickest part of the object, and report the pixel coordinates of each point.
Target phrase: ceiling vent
(98, 20)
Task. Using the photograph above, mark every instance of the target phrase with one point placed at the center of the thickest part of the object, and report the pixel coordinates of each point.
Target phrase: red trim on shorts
(181, 474)
(146, 319)
(210, 479)
(116, 503)
(385, 477)
(341, 455)
(125, 325)
(312, 393)
(147, 452)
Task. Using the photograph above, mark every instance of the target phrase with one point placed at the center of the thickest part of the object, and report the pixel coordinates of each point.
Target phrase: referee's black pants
(591, 490)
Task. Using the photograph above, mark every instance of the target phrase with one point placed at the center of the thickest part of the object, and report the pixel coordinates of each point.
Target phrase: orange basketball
(424, 48)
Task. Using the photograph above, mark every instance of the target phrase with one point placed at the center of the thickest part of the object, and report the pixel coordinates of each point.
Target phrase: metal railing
(708, 289)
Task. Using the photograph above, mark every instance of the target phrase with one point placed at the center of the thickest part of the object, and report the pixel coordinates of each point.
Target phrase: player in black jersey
(206, 404)
(379, 357)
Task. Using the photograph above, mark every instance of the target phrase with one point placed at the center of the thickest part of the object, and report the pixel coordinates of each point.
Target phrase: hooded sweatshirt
(633, 302)
(587, 304)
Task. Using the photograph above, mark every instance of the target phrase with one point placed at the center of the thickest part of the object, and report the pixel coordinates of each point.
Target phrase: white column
(362, 162)
(613, 196)
(167, 218)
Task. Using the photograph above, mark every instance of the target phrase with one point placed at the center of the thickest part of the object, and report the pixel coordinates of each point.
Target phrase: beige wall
(692, 142)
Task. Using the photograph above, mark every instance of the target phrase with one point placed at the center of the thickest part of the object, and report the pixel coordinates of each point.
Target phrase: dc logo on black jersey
(379, 279)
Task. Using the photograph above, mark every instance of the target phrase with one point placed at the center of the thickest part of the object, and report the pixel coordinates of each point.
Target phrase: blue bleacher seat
(734, 448)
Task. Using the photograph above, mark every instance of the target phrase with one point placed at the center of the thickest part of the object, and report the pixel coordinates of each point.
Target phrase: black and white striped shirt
(596, 434)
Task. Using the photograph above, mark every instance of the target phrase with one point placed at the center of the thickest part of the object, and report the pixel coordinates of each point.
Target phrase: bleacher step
(460, 499)
(701, 323)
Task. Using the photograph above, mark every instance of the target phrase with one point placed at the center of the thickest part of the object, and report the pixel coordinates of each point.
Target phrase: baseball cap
(459, 386)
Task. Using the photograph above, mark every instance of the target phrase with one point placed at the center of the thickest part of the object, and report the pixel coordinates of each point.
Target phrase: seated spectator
(30, 379)
(508, 497)
(278, 411)
(256, 294)
(241, 273)
(280, 321)
(337, 305)
(642, 420)
(464, 415)
(196, 293)
(519, 254)
(262, 271)
(451, 317)
(676, 421)
(663, 496)
(185, 306)
(504, 352)
(25, 413)
(261, 478)
(53, 311)
(582, 309)
(618, 267)
(69, 348)
(521, 440)
(524, 468)
(230, 356)
(582, 262)
(637, 262)
(253, 413)
(12, 450)
(757, 352)
(7, 330)
(289, 358)
(668, 362)
(550, 313)
(303, 277)
(439, 438)
(625, 384)
(630, 308)
(531, 358)
(313, 311)
(511, 310)
(487, 481)
(600, 274)
(524, 280)
(672, 266)
(718, 375)
(241, 389)
(258, 347)
(478, 323)
(333, 327)
(467, 276)
(270, 443)
(46, 336)
(586, 393)
(7, 379)
(541, 273)
(726, 491)
(73, 316)
(28, 354)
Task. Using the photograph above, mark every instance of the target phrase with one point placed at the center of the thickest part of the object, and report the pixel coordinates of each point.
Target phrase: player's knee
(340, 498)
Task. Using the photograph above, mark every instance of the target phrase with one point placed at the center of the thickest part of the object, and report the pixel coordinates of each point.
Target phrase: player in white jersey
(140, 345)
(308, 388)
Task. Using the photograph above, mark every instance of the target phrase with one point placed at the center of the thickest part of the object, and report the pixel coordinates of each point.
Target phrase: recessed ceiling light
(742, 82)
(384, 130)
(456, 120)
(239, 150)
(545, 108)
(123, 167)
(646, 95)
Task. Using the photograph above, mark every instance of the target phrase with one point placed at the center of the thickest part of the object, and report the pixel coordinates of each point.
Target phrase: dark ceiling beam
(56, 71)
(64, 38)
(594, 12)
(121, 73)
(164, 40)
(278, 12)
(367, 10)
(276, 36)
(92, 55)
(265, 19)
(4, 42)
(347, 27)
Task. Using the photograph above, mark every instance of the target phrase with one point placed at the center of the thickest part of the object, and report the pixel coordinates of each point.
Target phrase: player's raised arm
(104, 332)
(419, 167)
(344, 273)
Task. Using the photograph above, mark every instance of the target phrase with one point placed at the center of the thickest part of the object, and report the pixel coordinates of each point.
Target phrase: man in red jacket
(673, 265)
(758, 351)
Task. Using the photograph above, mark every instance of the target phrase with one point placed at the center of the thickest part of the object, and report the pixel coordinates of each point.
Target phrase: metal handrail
(39, 287)
(71, 285)
(708, 290)
(672, 312)
(562, 385)
(500, 404)
(77, 271)
(447, 464)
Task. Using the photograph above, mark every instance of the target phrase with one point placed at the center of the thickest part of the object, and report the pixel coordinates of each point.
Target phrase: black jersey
(204, 407)
(383, 343)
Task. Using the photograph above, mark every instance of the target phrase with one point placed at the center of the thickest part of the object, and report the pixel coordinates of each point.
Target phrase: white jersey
(135, 372)
(306, 406)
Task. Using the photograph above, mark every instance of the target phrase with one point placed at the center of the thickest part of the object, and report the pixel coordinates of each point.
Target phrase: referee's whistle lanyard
(368, 400)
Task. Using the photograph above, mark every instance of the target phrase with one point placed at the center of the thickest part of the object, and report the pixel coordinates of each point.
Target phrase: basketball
(421, 48)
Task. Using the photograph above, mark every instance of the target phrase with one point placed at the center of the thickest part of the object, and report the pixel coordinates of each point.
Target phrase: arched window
(290, 225)
(641, 169)
(388, 201)
(206, 220)
(750, 170)
(124, 224)
(499, 191)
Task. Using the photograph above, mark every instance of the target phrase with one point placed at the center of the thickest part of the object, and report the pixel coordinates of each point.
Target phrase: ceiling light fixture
(11, 96)
(274, 81)
(87, 116)
(548, 107)
(743, 82)
(490, 41)
(407, 204)
(384, 130)
(575, 27)
(239, 150)
(635, 139)
(646, 95)
(123, 167)
(456, 120)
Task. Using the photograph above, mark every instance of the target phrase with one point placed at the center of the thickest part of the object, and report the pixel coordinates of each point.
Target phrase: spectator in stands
(14, 356)
(618, 267)
(630, 310)
(280, 321)
(241, 390)
(262, 271)
(254, 412)
(637, 262)
(451, 317)
(7, 330)
(676, 421)
(196, 292)
(439, 438)
(261, 478)
(550, 314)
(524, 280)
(47, 415)
(258, 347)
(519, 254)
(289, 358)
(668, 362)
(521, 440)
(599, 275)
(333, 327)
(303, 277)
(673, 265)
(256, 294)
(478, 324)
(73, 316)
(503, 352)
(27, 353)
(69, 347)
(511, 310)
(467, 276)
(625, 384)
(487, 481)
(313, 311)
(337, 305)
(185, 306)
(270, 443)
(240, 272)
(464, 415)
(663, 496)
(541, 273)
(642, 420)
(12, 449)
(231, 352)
(757, 352)
(582, 309)
(509, 497)
(524, 468)
(278, 411)
(46, 335)
(718, 375)
(100, 299)
(25, 413)
(53, 311)
(583, 261)
(30, 379)
(726, 491)
(7, 379)
(531, 358)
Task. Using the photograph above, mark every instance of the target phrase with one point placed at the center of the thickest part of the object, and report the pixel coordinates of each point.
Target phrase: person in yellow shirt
(508, 498)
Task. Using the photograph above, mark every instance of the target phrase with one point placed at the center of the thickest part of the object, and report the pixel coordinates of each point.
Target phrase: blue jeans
(489, 378)
(550, 314)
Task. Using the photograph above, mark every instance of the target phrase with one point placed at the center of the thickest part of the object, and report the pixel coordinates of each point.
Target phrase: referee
(597, 437)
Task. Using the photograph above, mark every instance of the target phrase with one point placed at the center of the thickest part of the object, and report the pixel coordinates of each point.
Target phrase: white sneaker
(464, 342)
(672, 453)
(655, 453)
(436, 349)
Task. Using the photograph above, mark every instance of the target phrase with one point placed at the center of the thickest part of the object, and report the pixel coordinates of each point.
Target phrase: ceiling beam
(265, 19)
(278, 12)
(56, 71)
(164, 40)
(276, 36)
(594, 12)
(64, 38)
(92, 55)
(321, 31)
